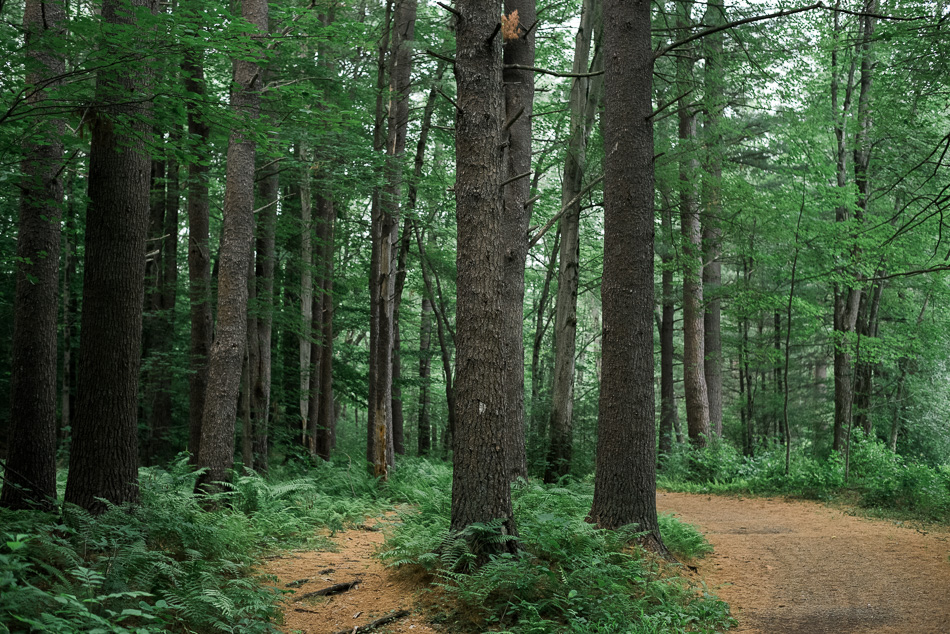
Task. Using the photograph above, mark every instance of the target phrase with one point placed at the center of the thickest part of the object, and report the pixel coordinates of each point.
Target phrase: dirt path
(803, 568)
(381, 592)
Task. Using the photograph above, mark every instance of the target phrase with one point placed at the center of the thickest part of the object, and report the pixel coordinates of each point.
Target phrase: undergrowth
(167, 564)
(569, 577)
(878, 479)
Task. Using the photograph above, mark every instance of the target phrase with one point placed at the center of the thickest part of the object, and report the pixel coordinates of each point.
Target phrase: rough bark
(103, 461)
(583, 103)
(694, 353)
(712, 212)
(404, 22)
(668, 413)
(199, 250)
(481, 490)
(30, 469)
(306, 280)
(217, 425)
(625, 478)
(513, 239)
(326, 415)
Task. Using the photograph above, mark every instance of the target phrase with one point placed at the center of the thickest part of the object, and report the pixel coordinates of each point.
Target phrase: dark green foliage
(569, 576)
(168, 565)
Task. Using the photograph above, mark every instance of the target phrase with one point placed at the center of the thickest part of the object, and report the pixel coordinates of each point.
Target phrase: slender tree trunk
(694, 353)
(513, 239)
(481, 489)
(306, 282)
(30, 469)
(217, 430)
(668, 414)
(539, 413)
(712, 213)
(103, 460)
(199, 250)
(325, 415)
(379, 445)
(400, 75)
(585, 97)
(625, 478)
(70, 312)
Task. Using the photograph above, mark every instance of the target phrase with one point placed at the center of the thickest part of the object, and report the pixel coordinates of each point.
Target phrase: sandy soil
(785, 567)
(381, 591)
(800, 567)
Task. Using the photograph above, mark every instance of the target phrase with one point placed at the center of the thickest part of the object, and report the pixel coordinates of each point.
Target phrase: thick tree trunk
(585, 97)
(103, 461)
(30, 469)
(625, 478)
(216, 451)
(712, 213)
(199, 250)
(481, 489)
(518, 48)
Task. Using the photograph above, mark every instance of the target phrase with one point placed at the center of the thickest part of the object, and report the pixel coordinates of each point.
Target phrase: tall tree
(585, 96)
(481, 483)
(694, 354)
(625, 478)
(103, 459)
(216, 452)
(712, 211)
(30, 470)
(518, 33)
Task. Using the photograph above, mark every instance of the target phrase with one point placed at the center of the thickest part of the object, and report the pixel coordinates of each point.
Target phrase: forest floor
(788, 566)
(784, 566)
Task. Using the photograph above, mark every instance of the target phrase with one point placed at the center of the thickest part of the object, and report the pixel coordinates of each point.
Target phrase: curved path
(799, 567)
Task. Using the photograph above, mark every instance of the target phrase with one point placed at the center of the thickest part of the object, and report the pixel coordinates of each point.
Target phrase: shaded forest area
(577, 243)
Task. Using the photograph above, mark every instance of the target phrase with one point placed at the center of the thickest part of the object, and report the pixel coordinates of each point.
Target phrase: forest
(270, 269)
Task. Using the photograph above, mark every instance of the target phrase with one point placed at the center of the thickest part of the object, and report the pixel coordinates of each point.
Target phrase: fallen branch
(372, 625)
(334, 589)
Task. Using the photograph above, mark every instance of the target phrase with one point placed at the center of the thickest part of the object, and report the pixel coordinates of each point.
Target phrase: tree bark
(306, 281)
(625, 478)
(712, 212)
(585, 96)
(199, 250)
(481, 489)
(694, 353)
(216, 452)
(326, 415)
(668, 413)
(513, 239)
(103, 460)
(30, 469)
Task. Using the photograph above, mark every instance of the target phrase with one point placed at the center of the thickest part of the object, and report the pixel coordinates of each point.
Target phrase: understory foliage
(569, 576)
(880, 479)
(169, 565)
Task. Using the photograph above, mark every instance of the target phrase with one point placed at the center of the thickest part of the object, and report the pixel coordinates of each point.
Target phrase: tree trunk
(668, 413)
(585, 97)
(694, 353)
(103, 460)
(625, 478)
(306, 281)
(712, 213)
(216, 452)
(540, 413)
(325, 415)
(481, 489)
(400, 75)
(30, 471)
(199, 250)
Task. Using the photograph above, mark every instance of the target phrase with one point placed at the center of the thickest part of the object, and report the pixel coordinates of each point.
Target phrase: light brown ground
(803, 568)
(382, 591)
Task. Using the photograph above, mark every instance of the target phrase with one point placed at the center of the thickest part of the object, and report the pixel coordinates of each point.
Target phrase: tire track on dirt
(799, 567)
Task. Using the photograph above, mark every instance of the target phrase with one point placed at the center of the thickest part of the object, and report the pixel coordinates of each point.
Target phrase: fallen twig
(297, 583)
(334, 589)
(372, 625)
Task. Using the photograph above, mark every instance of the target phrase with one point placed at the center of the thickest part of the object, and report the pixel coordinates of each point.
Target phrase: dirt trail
(380, 592)
(803, 568)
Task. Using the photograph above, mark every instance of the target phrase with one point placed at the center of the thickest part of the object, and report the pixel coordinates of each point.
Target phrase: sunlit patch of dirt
(380, 592)
(799, 567)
